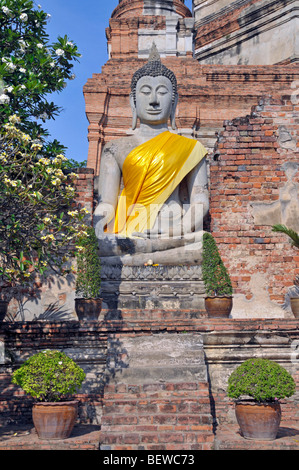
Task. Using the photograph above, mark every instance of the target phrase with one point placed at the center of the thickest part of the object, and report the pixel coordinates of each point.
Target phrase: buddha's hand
(155, 233)
(103, 214)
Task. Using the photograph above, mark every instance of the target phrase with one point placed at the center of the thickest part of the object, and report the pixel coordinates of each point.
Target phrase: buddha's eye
(162, 90)
(145, 90)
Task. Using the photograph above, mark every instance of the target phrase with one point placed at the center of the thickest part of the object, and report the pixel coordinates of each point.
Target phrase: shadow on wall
(51, 298)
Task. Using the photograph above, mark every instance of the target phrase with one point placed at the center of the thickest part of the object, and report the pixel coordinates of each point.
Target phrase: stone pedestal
(164, 287)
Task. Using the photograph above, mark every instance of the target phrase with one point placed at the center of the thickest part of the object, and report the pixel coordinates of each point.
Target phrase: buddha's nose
(154, 100)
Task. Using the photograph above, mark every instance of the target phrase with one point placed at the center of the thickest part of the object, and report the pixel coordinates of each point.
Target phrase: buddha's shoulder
(120, 146)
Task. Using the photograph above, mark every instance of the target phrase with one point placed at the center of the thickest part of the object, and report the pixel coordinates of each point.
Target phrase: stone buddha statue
(153, 184)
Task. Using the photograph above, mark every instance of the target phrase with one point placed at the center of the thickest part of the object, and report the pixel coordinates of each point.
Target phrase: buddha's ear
(173, 111)
(134, 112)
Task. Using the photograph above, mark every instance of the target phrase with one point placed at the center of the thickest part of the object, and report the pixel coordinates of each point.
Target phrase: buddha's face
(154, 100)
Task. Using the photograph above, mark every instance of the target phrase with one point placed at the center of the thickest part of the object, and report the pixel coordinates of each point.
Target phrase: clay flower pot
(54, 420)
(259, 421)
(219, 307)
(88, 309)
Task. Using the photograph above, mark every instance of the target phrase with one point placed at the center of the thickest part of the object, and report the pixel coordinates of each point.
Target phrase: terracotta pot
(258, 421)
(295, 306)
(219, 306)
(88, 309)
(3, 309)
(55, 420)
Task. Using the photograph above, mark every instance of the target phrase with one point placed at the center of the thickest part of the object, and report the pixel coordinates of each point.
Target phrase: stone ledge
(83, 437)
(228, 437)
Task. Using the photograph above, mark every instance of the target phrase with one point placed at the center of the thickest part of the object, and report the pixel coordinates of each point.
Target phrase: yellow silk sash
(151, 172)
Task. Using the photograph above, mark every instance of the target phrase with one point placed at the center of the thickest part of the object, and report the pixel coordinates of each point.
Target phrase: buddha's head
(154, 94)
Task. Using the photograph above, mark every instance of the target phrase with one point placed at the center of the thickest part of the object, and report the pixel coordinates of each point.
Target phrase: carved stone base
(164, 287)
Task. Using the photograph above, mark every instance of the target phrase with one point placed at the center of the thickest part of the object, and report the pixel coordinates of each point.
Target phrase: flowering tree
(31, 68)
(39, 225)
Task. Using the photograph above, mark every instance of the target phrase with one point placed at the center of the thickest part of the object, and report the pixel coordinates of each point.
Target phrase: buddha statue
(153, 184)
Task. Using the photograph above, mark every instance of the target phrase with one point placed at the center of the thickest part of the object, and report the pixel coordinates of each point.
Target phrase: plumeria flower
(73, 213)
(6, 10)
(11, 66)
(22, 70)
(14, 119)
(4, 99)
(59, 52)
(44, 161)
(24, 17)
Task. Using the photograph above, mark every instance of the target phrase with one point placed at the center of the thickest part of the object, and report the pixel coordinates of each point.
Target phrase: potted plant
(88, 304)
(51, 377)
(218, 301)
(257, 385)
(294, 237)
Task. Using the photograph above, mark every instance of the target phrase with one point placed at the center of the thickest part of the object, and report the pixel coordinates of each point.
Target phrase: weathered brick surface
(157, 416)
(248, 170)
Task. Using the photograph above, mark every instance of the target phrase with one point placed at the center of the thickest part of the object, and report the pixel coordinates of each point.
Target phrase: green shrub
(88, 280)
(215, 275)
(262, 380)
(49, 376)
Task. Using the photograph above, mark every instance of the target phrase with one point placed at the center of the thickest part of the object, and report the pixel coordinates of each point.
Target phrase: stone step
(228, 437)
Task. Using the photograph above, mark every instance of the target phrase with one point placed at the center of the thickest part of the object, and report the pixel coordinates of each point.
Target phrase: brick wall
(172, 416)
(254, 184)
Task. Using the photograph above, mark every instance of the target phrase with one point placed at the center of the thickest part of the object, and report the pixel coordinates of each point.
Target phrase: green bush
(49, 376)
(262, 380)
(215, 275)
(88, 280)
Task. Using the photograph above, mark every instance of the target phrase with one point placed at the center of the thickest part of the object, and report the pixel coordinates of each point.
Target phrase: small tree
(262, 380)
(49, 376)
(31, 68)
(88, 280)
(215, 275)
(39, 225)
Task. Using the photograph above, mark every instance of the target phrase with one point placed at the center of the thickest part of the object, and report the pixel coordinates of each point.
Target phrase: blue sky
(85, 24)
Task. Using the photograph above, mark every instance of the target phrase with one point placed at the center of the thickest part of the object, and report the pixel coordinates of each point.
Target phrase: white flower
(48, 15)
(22, 44)
(39, 45)
(43, 117)
(69, 43)
(14, 119)
(59, 52)
(9, 89)
(52, 64)
(4, 99)
(39, 6)
(24, 17)
(11, 66)
(22, 70)
(6, 10)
